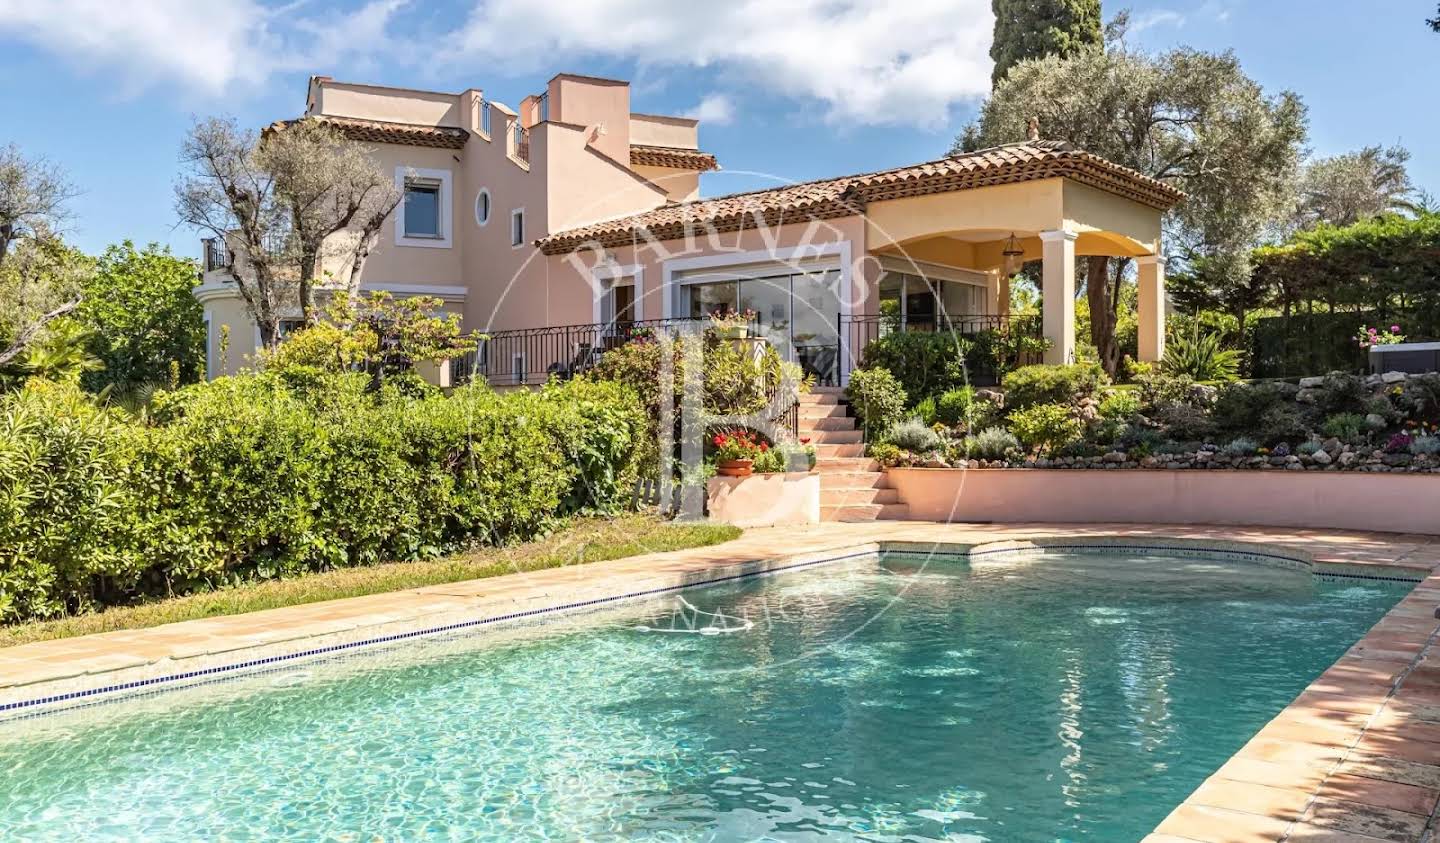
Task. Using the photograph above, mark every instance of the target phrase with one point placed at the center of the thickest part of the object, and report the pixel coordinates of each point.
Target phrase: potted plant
(735, 452)
(732, 324)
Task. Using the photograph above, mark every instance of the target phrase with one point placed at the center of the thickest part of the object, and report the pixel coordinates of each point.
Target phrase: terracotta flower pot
(735, 468)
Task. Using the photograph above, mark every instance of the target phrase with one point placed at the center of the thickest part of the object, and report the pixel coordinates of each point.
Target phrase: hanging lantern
(1014, 255)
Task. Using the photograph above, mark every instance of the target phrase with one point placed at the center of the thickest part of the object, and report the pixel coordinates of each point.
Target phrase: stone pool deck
(1356, 757)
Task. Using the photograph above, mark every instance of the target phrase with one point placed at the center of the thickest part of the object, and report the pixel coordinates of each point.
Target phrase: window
(422, 208)
(517, 227)
(423, 218)
(482, 207)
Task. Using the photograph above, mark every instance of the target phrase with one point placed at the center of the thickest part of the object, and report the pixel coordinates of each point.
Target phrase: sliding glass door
(797, 312)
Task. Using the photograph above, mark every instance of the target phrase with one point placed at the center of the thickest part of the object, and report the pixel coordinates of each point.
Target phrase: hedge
(270, 475)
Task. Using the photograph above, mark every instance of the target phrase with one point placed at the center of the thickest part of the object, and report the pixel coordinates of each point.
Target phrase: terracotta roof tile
(847, 195)
(670, 156)
(379, 131)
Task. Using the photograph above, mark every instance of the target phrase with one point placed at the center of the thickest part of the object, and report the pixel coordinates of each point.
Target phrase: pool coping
(1355, 756)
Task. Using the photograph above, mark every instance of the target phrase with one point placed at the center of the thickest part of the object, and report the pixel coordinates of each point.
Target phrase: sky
(787, 90)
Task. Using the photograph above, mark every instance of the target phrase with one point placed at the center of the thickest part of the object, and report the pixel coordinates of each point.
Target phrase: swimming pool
(1063, 696)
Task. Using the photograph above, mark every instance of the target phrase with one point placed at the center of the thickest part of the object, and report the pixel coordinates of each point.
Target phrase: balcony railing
(522, 142)
(217, 256)
(532, 356)
(858, 331)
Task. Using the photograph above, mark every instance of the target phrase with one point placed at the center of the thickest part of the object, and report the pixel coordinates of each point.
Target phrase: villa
(549, 226)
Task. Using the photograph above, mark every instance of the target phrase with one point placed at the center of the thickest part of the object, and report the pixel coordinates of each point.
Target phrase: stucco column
(997, 286)
(1057, 290)
(1151, 281)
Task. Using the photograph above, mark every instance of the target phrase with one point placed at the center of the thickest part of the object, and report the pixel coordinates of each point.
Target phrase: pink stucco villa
(545, 224)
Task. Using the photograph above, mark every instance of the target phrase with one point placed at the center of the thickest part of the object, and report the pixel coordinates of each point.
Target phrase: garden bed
(1320, 500)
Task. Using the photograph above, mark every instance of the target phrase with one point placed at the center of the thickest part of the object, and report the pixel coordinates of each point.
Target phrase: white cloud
(203, 47)
(868, 61)
(715, 109)
(1159, 17)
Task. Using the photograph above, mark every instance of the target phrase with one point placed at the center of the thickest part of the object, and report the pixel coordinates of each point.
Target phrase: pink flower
(1394, 329)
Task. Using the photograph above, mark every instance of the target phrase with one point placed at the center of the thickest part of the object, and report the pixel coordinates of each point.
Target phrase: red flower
(764, 447)
(804, 440)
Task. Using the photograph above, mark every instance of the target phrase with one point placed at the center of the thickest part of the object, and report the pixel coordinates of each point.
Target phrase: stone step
(821, 411)
(827, 390)
(858, 497)
(864, 512)
(837, 423)
(840, 449)
(819, 398)
(852, 480)
(847, 464)
(834, 437)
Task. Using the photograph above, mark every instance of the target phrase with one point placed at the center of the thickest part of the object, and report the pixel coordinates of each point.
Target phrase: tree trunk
(33, 331)
(1103, 304)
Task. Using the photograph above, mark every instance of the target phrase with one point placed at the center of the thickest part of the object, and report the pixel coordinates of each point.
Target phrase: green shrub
(1045, 427)
(1028, 386)
(993, 443)
(1249, 409)
(886, 454)
(1201, 357)
(1425, 445)
(926, 363)
(1309, 447)
(1119, 405)
(1341, 393)
(913, 435)
(1282, 423)
(955, 406)
(1241, 447)
(877, 399)
(251, 477)
(1419, 398)
(1346, 427)
(926, 411)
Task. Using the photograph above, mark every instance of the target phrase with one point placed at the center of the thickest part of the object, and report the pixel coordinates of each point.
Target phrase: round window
(482, 207)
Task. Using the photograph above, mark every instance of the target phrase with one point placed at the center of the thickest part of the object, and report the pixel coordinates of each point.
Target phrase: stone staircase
(852, 486)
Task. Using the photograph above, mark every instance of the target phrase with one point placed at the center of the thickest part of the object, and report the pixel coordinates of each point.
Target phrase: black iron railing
(532, 356)
(987, 332)
(217, 256)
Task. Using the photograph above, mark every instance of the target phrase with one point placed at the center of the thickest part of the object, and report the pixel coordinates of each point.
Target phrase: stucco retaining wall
(1404, 503)
(765, 500)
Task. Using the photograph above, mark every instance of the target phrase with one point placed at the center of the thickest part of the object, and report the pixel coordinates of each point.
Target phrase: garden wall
(1406, 503)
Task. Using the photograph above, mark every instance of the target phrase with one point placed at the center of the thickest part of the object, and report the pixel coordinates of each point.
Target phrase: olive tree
(1189, 118)
(290, 201)
(1345, 189)
(39, 276)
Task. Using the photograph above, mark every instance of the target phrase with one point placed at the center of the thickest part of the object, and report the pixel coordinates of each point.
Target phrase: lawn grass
(579, 542)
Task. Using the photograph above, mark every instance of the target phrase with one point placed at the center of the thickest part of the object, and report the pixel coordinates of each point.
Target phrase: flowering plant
(1368, 336)
(726, 318)
(1399, 442)
(738, 444)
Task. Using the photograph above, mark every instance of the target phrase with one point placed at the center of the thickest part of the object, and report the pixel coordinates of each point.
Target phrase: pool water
(1061, 697)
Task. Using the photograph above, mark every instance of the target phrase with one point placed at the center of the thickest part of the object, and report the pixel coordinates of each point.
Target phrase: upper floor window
(423, 218)
(517, 227)
(422, 208)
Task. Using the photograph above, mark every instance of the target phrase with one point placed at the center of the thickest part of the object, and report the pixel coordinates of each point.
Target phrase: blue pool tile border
(252, 667)
(200, 673)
